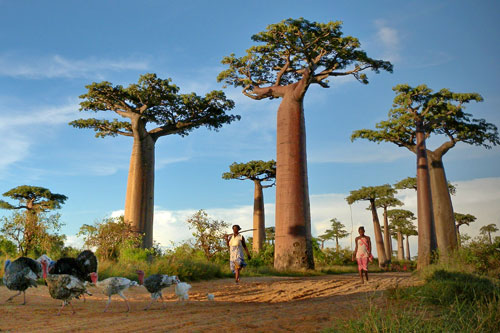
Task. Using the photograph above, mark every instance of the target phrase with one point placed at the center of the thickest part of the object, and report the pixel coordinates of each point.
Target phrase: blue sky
(51, 50)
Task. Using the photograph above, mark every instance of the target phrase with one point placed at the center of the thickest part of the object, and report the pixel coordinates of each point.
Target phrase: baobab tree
(372, 194)
(400, 218)
(157, 102)
(28, 230)
(337, 231)
(410, 183)
(385, 203)
(409, 230)
(294, 54)
(488, 229)
(325, 237)
(259, 172)
(419, 112)
(461, 219)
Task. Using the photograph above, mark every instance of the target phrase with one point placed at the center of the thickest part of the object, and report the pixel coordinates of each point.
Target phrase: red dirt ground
(257, 304)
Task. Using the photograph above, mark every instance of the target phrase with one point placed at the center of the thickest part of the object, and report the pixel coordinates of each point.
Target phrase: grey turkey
(79, 267)
(113, 286)
(64, 287)
(155, 283)
(21, 274)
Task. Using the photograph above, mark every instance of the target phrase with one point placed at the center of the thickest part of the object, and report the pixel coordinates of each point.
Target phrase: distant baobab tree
(259, 172)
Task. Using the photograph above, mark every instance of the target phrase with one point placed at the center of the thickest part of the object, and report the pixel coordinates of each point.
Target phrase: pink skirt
(362, 264)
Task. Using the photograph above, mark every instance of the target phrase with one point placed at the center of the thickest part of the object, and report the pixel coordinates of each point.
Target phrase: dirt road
(263, 304)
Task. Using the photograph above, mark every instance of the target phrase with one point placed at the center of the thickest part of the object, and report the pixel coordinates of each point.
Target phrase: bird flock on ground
(68, 278)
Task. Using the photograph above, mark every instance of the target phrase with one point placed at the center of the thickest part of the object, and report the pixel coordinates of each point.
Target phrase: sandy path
(264, 304)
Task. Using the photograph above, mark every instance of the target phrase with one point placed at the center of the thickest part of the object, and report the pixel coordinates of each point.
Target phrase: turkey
(181, 290)
(79, 267)
(113, 286)
(64, 287)
(21, 274)
(155, 284)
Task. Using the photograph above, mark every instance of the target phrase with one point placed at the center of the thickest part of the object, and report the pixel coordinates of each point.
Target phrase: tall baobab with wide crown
(157, 102)
(292, 55)
(258, 172)
(372, 194)
(419, 112)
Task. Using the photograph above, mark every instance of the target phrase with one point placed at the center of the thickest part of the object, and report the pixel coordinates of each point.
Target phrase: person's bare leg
(237, 275)
(361, 276)
(366, 274)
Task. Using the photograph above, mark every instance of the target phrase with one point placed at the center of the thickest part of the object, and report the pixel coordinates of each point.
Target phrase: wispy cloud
(388, 37)
(57, 66)
(16, 140)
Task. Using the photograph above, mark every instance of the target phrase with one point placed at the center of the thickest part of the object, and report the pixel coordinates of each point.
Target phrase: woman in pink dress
(363, 253)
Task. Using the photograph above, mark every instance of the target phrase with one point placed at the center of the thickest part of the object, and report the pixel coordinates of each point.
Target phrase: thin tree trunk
(139, 202)
(408, 257)
(459, 241)
(293, 243)
(426, 236)
(259, 224)
(489, 237)
(387, 237)
(337, 241)
(401, 251)
(382, 258)
(442, 208)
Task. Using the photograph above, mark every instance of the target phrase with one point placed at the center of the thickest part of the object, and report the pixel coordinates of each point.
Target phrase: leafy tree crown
(33, 198)
(253, 170)
(155, 101)
(292, 47)
(370, 193)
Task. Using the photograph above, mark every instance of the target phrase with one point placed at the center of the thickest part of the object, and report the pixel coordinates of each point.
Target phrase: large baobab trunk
(259, 224)
(426, 236)
(442, 208)
(293, 244)
(382, 258)
(139, 203)
(401, 251)
(387, 237)
(407, 245)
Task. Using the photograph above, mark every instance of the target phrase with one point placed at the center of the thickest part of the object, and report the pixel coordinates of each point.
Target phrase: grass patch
(447, 302)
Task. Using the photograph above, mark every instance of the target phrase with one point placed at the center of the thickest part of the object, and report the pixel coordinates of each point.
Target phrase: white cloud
(388, 37)
(56, 66)
(20, 129)
(479, 197)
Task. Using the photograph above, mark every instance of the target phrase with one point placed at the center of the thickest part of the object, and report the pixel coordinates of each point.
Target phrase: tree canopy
(400, 218)
(439, 112)
(156, 101)
(462, 219)
(34, 198)
(253, 170)
(370, 193)
(209, 233)
(411, 183)
(293, 49)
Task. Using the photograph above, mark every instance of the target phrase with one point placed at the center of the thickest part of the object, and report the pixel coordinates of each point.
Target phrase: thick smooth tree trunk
(401, 251)
(407, 245)
(426, 233)
(293, 243)
(259, 223)
(442, 208)
(139, 202)
(387, 237)
(382, 258)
